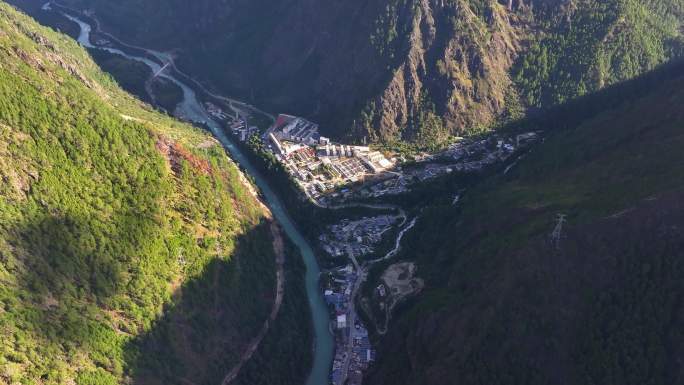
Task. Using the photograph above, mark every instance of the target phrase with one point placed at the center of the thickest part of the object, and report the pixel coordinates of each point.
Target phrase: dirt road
(279, 249)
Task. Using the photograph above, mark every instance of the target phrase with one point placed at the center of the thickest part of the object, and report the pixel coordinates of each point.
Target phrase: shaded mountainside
(417, 70)
(507, 303)
(131, 248)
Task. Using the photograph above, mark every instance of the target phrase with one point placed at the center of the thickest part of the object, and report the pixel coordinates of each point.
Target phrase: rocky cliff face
(466, 65)
(455, 68)
(397, 70)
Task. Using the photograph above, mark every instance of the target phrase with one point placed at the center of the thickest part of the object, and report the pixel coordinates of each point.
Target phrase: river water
(191, 109)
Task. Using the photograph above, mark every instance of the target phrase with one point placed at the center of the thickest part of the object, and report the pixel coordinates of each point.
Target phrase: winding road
(373, 206)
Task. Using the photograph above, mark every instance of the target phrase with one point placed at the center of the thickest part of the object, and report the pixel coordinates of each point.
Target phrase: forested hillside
(394, 71)
(594, 44)
(516, 295)
(131, 250)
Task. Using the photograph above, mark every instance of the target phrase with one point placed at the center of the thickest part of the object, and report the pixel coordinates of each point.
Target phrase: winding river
(191, 109)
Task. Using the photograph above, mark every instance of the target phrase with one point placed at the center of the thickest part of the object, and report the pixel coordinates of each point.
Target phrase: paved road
(352, 316)
(374, 206)
(361, 275)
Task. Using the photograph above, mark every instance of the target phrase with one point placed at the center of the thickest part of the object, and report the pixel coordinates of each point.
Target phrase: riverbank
(302, 220)
(191, 109)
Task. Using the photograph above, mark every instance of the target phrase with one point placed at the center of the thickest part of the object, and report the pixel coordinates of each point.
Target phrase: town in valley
(334, 175)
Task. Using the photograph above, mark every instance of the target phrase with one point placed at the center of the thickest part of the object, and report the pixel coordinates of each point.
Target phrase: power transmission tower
(558, 230)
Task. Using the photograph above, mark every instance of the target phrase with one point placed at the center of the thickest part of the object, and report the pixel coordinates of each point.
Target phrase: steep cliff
(451, 75)
(463, 66)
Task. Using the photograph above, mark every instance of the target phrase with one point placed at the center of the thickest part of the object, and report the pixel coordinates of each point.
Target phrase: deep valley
(379, 192)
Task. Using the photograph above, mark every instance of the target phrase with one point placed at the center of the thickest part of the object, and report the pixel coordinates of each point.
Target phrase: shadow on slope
(211, 318)
(505, 305)
(79, 292)
(605, 308)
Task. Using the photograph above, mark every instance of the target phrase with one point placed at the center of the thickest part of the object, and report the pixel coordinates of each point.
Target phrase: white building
(341, 321)
(376, 161)
(276, 144)
(297, 130)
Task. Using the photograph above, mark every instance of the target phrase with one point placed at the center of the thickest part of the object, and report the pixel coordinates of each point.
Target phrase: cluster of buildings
(320, 166)
(353, 351)
(327, 171)
(494, 147)
(238, 125)
(375, 161)
(362, 354)
(296, 130)
(355, 238)
(393, 186)
(338, 293)
(330, 173)
(216, 112)
(239, 128)
(317, 164)
(465, 156)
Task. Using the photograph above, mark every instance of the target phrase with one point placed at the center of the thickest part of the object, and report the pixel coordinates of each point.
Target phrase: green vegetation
(505, 303)
(600, 43)
(563, 51)
(480, 64)
(385, 34)
(136, 78)
(259, 120)
(288, 331)
(431, 133)
(131, 75)
(130, 250)
(166, 93)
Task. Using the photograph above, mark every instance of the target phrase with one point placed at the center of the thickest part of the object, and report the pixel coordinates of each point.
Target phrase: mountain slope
(506, 302)
(404, 70)
(128, 241)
